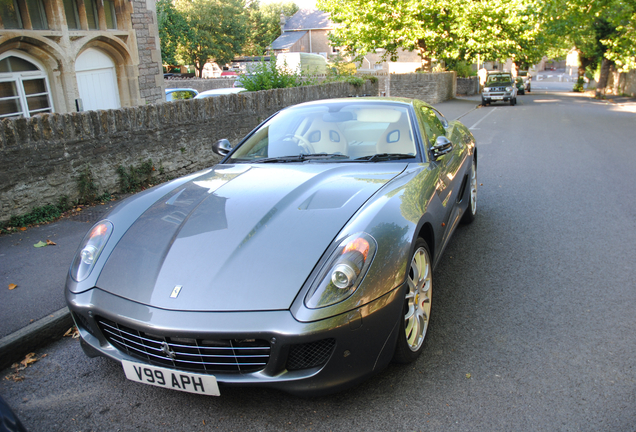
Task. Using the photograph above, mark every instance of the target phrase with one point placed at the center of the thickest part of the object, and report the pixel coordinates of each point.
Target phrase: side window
(432, 125)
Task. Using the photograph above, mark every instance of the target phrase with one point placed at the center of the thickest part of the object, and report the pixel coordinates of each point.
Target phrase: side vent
(462, 189)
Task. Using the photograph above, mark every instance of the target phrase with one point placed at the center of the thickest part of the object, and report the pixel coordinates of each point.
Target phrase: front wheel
(471, 210)
(416, 311)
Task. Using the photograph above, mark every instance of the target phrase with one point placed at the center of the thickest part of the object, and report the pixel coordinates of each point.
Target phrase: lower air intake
(303, 356)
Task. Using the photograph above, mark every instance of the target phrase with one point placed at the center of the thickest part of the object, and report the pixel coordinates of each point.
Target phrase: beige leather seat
(397, 138)
(326, 137)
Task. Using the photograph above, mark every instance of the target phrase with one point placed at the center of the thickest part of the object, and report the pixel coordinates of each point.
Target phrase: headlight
(486, 90)
(508, 89)
(342, 273)
(89, 251)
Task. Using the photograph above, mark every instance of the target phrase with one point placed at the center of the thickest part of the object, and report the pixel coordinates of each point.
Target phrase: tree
(173, 31)
(217, 31)
(453, 29)
(264, 25)
(602, 31)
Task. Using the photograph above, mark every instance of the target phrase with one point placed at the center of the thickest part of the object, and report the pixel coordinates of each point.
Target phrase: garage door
(96, 80)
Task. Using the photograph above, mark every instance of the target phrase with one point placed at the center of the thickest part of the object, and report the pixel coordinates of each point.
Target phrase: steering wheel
(303, 143)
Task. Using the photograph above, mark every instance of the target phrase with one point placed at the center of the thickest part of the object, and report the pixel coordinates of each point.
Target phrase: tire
(483, 102)
(471, 210)
(522, 92)
(512, 102)
(416, 311)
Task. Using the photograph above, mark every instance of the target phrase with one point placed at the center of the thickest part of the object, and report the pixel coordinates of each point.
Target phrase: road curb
(15, 346)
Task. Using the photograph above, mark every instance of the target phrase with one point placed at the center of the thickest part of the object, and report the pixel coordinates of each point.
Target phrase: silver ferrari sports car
(303, 261)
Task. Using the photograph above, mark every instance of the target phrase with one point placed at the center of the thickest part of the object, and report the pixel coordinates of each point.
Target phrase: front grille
(303, 356)
(198, 355)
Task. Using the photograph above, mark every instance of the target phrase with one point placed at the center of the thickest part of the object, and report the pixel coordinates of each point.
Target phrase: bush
(135, 178)
(266, 76)
(461, 67)
(578, 86)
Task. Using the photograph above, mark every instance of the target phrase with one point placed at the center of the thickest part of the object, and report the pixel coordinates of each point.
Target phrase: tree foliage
(602, 31)
(444, 29)
(197, 31)
(173, 31)
(216, 31)
(264, 25)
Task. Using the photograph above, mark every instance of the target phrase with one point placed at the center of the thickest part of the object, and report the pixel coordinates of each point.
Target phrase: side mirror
(222, 147)
(441, 147)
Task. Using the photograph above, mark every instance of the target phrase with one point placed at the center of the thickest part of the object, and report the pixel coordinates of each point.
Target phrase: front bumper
(364, 338)
(496, 97)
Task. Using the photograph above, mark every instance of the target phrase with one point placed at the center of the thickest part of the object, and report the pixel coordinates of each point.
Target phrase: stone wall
(41, 157)
(429, 87)
(468, 86)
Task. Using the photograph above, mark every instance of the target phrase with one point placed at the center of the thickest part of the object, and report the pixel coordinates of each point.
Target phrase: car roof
(366, 99)
(172, 90)
(220, 92)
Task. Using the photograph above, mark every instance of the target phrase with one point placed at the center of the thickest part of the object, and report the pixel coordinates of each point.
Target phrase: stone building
(69, 55)
(307, 31)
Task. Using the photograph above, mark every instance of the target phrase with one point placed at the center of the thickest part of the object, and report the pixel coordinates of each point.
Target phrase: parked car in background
(305, 63)
(527, 80)
(499, 87)
(211, 70)
(302, 261)
(219, 92)
(521, 86)
(173, 94)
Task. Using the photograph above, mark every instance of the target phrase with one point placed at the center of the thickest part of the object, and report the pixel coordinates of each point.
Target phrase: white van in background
(306, 63)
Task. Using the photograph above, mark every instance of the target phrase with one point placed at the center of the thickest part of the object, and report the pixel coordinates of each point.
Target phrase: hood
(240, 237)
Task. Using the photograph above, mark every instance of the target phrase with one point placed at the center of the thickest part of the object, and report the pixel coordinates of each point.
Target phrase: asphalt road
(533, 325)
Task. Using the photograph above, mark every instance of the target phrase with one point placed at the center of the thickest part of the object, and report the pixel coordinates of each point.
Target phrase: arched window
(24, 87)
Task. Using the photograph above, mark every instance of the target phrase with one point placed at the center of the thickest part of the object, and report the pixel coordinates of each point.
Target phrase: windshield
(339, 131)
(499, 79)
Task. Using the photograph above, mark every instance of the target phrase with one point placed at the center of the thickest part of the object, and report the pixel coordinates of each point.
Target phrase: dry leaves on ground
(12, 286)
(72, 332)
(19, 367)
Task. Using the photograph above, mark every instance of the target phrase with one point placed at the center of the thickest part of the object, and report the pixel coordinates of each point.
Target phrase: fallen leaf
(30, 358)
(50, 243)
(12, 286)
(468, 375)
(15, 377)
(23, 229)
(39, 244)
(72, 332)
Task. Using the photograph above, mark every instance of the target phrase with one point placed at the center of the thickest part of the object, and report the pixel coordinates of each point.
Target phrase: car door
(448, 164)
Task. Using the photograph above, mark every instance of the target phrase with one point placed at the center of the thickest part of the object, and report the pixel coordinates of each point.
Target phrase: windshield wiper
(300, 158)
(384, 156)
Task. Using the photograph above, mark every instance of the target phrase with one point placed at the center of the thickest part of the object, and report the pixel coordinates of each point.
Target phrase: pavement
(35, 313)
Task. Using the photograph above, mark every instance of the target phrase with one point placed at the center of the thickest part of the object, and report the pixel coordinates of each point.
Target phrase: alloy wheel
(418, 299)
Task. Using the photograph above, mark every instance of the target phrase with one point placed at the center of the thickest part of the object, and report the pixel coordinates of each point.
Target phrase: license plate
(171, 379)
(497, 98)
